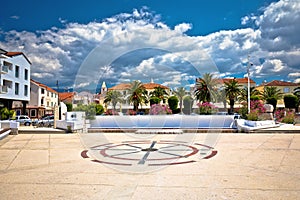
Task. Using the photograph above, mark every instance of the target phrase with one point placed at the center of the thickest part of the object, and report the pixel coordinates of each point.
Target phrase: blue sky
(59, 37)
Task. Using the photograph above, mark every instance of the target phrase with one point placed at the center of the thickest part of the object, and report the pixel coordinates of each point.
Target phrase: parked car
(45, 121)
(23, 120)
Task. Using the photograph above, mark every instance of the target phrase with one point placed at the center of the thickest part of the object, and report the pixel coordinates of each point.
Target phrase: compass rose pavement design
(141, 155)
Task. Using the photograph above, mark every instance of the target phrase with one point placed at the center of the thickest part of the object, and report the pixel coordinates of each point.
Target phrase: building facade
(43, 100)
(14, 79)
(284, 87)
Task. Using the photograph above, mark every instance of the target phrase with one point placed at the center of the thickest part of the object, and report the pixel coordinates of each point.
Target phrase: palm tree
(243, 97)
(206, 88)
(159, 92)
(180, 93)
(137, 94)
(113, 97)
(232, 90)
(271, 95)
(297, 93)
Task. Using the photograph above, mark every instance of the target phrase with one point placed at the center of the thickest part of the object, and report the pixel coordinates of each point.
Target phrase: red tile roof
(66, 96)
(125, 86)
(239, 80)
(44, 86)
(280, 83)
(154, 85)
(17, 53)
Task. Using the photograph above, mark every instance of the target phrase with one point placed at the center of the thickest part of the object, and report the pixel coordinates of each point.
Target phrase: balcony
(3, 89)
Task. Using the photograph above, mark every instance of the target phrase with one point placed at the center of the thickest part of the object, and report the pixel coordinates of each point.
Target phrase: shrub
(154, 100)
(89, 110)
(99, 109)
(173, 103)
(206, 108)
(289, 118)
(290, 101)
(272, 101)
(157, 109)
(131, 112)
(285, 117)
(111, 112)
(6, 114)
(256, 110)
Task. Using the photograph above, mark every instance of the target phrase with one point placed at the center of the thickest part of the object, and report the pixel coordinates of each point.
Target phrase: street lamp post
(248, 72)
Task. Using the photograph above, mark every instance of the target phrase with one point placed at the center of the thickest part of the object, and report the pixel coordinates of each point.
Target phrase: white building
(43, 100)
(14, 79)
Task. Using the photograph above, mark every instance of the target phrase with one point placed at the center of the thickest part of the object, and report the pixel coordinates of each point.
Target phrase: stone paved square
(245, 166)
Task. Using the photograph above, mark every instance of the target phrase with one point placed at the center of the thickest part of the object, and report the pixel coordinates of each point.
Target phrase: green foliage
(289, 118)
(206, 88)
(180, 93)
(113, 97)
(187, 104)
(99, 109)
(160, 93)
(253, 116)
(6, 114)
(90, 110)
(69, 107)
(290, 101)
(154, 100)
(254, 98)
(272, 101)
(137, 94)
(173, 103)
(232, 90)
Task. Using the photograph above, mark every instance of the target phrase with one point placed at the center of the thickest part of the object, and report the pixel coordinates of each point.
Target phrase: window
(47, 93)
(51, 94)
(17, 71)
(286, 90)
(51, 104)
(16, 88)
(26, 75)
(33, 113)
(47, 103)
(42, 91)
(25, 90)
(42, 101)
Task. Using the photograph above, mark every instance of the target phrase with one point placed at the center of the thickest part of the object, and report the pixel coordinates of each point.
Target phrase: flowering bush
(131, 112)
(111, 112)
(256, 110)
(206, 108)
(285, 117)
(157, 109)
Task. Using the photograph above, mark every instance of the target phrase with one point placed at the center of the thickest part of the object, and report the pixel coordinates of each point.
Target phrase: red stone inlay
(84, 154)
(213, 153)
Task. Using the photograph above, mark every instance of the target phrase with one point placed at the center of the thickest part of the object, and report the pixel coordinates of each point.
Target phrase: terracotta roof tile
(239, 80)
(125, 86)
(280, 83)
(66, 96)
(17, 53)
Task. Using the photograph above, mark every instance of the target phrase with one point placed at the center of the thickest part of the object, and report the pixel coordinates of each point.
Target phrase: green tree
(206, 88)
(154, 100)
(99, 109)
(232, 90)
(296, 92)
(113, 97)
(6, 114)
(137, 94)
(69, 107)
(243, 96)
(90, 110)
(173, 103)
(180, 93)
(271, 95)
(160, 93)
(290, 101)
